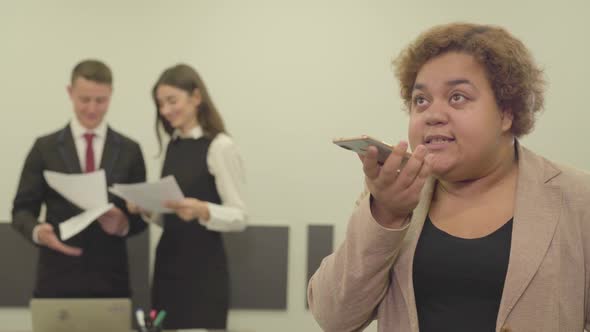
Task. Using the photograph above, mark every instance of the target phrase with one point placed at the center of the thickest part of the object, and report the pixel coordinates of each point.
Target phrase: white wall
(288, 76)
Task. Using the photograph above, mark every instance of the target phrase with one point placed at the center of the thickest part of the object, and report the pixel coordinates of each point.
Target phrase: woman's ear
(196, 96)
(507, 118)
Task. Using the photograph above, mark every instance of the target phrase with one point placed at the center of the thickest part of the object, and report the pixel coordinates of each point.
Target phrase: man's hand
(47, 237)
(114, 222)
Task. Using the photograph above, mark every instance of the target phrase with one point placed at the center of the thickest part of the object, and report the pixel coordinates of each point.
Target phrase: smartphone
(361, 143)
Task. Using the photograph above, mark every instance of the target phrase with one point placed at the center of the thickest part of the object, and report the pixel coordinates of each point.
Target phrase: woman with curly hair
(475, 232)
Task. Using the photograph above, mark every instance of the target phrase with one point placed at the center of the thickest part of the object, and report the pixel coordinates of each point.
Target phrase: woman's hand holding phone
(395, 186)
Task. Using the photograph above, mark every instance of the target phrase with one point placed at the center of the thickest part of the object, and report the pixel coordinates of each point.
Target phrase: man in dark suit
(92, 263)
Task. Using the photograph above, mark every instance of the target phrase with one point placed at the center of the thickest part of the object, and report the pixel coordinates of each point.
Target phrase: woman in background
(190, 273)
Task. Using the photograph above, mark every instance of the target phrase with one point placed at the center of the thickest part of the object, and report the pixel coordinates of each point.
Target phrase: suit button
(505, 329)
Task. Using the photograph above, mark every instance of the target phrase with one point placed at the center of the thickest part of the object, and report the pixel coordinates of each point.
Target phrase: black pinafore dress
(190, 272)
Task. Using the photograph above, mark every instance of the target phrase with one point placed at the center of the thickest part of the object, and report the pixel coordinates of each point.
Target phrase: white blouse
(225, 163)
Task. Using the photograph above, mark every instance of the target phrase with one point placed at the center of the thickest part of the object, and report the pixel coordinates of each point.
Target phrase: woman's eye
(457, 98)
(419, 101)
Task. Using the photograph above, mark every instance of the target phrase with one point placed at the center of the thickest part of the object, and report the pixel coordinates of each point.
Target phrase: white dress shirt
(100, 135)
(225, 163)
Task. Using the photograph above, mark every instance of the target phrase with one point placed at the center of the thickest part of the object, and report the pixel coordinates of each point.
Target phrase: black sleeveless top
(190, 272)
(458, 282)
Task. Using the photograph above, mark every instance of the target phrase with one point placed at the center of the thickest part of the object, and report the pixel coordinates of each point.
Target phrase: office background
(287, 76)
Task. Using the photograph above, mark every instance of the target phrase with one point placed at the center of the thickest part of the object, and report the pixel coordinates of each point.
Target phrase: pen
(160, 318)
(153, 313)
(139, 316)
(149, 320)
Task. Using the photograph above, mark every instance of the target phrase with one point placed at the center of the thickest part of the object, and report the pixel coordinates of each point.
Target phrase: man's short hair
(93, 70)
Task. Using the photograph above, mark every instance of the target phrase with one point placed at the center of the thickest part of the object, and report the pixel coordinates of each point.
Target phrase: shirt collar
(78, 130)
(195, 133)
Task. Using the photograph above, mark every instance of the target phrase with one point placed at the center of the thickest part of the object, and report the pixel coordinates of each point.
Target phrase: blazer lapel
(403, 266)
(110, 153)
(67, 150)
(537, 210)
(538, 206)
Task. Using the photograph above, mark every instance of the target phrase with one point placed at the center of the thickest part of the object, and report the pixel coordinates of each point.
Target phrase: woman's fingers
(391, 167)
(413, 166)
(370, 165)
(416, 186)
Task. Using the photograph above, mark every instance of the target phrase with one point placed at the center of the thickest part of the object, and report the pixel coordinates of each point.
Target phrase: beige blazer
(370, 275)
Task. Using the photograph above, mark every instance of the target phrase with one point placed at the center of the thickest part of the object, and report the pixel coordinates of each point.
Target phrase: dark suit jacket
(102, 270)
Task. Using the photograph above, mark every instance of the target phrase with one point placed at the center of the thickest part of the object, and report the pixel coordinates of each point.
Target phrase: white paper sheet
(78, 223)
(150, 195)
(88, 191)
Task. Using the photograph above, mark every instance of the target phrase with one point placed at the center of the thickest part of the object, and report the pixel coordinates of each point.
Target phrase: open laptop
(81, 315)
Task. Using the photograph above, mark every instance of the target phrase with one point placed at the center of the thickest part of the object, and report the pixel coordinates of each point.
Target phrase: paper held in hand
(150, 196)
(88, 191)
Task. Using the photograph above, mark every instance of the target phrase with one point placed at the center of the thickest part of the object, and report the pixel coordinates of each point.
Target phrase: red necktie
(89, 153)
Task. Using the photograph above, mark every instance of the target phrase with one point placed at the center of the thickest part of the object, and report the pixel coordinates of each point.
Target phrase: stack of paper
(88, 191)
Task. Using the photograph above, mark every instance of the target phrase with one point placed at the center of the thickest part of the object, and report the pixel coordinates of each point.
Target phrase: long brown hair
(186, 78)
